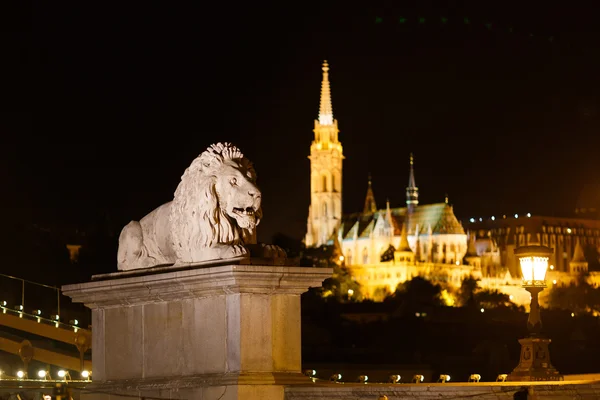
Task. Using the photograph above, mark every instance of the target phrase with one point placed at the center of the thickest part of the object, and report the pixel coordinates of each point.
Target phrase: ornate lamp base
(534, 364)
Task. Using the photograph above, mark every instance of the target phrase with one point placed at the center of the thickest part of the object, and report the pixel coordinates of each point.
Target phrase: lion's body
(214, 213)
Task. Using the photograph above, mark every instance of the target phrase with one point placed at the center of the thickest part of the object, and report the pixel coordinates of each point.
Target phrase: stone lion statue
(213, 216)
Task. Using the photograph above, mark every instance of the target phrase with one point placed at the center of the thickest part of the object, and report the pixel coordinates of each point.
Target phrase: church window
(324, 183)
(452, 248)
(324, 209)
(444, 248)
(365, 256)
(333, 183)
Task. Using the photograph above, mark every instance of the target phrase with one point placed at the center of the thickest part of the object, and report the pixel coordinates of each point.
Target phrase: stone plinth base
(232, 329)
(534, 364)
(252, 386)
(584, 390)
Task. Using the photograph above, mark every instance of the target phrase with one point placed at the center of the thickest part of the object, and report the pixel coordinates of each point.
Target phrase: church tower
(412, 191)
(370, 205)
(325, 210)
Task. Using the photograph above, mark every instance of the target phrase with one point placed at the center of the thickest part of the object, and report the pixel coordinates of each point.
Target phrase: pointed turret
(578, 263)
(578, 255)
(412, 191)
(388, 215)
(325, 110)
(370, 205)
(404, 246)
(472, 258)
(404, 254)
(471, 250)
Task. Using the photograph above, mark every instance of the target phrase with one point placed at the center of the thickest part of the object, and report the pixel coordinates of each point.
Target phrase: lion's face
(239, 198)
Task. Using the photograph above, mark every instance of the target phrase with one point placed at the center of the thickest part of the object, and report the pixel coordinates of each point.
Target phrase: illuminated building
(575, 245)
(382, 247)
(326, 155)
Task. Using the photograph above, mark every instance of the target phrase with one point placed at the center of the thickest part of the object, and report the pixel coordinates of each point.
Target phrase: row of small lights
(45, 375)
(336, 378)
(37, 314)
(472, 220)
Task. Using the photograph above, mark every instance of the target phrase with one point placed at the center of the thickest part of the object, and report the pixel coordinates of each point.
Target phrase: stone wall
(581, 390)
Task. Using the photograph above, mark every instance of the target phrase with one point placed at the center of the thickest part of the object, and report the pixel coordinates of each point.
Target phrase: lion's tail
(130, 246)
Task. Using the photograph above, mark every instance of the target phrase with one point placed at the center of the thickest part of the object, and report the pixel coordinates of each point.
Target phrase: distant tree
(419, 292)
(466, 293)
(492, 299)
(577, 297)
(381, 293)
(341, 286)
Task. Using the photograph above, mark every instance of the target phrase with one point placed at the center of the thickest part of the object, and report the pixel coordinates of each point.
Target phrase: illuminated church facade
(383, 247)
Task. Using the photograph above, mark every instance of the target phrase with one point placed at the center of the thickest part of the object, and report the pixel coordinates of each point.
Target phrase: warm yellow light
(534, 264)
(62, 373)
(552, 267)
(482, 310)
(350, 292)
(458, 263)
(20, 374)
(511, 297)
(447, 298)
(554, 281)
(85, 374)
(42, 373)
(341, 258)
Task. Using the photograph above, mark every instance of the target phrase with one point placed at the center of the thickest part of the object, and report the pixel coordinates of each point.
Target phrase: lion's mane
(197, 219)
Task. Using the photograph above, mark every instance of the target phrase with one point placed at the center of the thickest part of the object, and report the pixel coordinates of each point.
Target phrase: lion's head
(217, 201)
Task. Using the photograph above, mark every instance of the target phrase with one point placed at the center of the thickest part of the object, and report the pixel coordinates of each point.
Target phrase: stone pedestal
(227, 332)
(534, 363)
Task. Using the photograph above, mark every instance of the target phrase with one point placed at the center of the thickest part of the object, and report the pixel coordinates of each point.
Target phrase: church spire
(325, 110)
(578, 255)
(404, 246)
(412, 191)
(370, 206)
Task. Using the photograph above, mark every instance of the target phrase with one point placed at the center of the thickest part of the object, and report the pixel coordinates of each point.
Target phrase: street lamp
(534, 363)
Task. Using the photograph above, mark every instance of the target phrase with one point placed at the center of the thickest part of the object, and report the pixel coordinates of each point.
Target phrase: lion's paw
(236, 250)
(273, 251)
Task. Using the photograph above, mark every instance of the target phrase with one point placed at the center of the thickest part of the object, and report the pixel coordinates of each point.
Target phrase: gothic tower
(412, 191)
(325, 210)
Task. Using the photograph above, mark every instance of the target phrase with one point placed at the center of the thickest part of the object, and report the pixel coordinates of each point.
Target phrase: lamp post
(534, 363)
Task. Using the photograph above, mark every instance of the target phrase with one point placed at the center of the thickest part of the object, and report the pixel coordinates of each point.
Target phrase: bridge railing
(22, 307)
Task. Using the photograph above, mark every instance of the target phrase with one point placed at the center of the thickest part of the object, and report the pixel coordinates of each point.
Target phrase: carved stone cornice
(183, 282)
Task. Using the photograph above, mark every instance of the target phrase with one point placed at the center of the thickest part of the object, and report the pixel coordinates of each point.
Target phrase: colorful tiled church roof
(439, 216)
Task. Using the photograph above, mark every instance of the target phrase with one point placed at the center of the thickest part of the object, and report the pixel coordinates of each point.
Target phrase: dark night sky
(126, 95)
